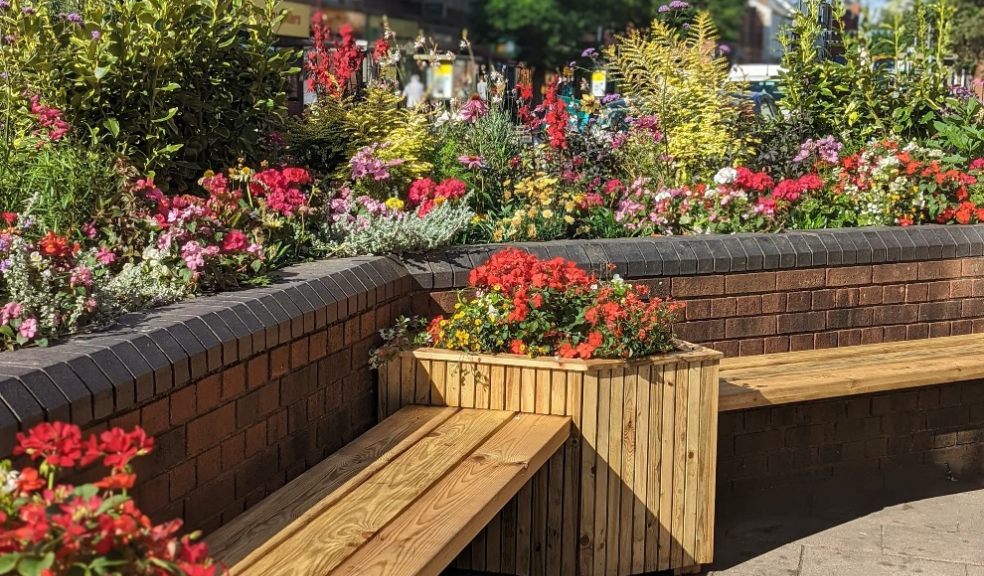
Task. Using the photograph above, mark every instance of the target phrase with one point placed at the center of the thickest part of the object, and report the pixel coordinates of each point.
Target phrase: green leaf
(170, 87)
(8, 562)
(170, 114)
(113, 125)
(33, 566)
(100, 72)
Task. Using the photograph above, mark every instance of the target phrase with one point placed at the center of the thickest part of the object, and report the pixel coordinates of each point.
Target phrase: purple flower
(366, 163)
(589, 53)
(679, 5)
(73, 17)
(4, 4)
(827, 149)
(96, 34)
(9, 39)
(724, 49)
(663, 9)
(5, 264)
(609, 98)
(472, 162)
(27, 10)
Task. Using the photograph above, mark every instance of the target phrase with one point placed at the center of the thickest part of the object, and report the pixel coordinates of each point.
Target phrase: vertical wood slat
(631, 492)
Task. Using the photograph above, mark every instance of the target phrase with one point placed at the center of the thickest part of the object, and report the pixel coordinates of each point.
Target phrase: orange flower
(54, 246)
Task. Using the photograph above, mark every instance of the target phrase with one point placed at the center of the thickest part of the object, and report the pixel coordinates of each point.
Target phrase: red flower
(516, 346)
(54, 246)
(117, 481)
(748, 180)
(57, 444)
(120, 447)
(29, 481)
(9, 217)
(234, 241)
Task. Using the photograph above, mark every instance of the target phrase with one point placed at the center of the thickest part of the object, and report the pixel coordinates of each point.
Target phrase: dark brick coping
(720, 254)
(94, 376)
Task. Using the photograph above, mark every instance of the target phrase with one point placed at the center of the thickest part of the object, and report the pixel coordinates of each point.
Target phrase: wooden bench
(789, 377)
(405, 498)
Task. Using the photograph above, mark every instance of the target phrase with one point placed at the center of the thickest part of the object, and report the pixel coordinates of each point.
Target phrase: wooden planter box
(631, 492)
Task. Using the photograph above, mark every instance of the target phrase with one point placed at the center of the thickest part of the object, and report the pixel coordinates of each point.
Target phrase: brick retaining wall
(245, 390)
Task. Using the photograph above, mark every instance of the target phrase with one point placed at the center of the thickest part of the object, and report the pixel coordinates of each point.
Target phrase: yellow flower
(394, 204)
(531, 231)
(569, 219)
(590, 104)
(548, 213)
(477, 322)
(476, 219)
(462, 336)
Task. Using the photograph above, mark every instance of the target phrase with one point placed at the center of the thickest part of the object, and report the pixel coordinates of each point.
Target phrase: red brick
(748, 305)
(893, 334)
(893, 294)
(723, 307)
(847, 297)
(896, 314)
(233, 451)
(318, 347)
(849, 337)
(444, 301)
(279, 361)
(257, 371)
(972, 267)
(698, 309)
(773, 303)
(751, 326)
(805, 322)
(336, 338)
(872, 335)
(801, 342)
(182, 479)
(971, 307)
(939, 329)
(978, 287)
(152, 495)
(961, 327)
(938, 290)
(256, 438)
(750, 283)
(891, 273)
(751, 347)
(368, 325)
(233, 381)
(938, 269)
(870, 295)
(701, 331)
(917, 292)
(776, 344)
(183, 405)
(728, 347)
(685, 287)
(276, 427)
(126, 421)
(351, 331)
(963, 288)
(208, 430)
(256, 405)
(209, 392)
(916, 331)
(825, 340)
(849, 276)
(800, 279)
(798, 301)
(209, 464)
(824, 299)
(154, 417)
(299, 353)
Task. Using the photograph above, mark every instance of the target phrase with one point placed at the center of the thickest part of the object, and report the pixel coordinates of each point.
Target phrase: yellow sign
(297, 22)
(599, 81)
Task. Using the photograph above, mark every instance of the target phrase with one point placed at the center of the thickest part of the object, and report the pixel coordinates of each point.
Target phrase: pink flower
(977, 164)
(81, 276)
(105, 256)
(89, 229)
(9, 311)
(28, 328)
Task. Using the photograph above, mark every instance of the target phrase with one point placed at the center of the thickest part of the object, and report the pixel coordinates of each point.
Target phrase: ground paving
(923, 524)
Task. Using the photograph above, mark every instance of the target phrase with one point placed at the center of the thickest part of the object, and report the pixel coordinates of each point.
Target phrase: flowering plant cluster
(519, 304)
(228, 238)
(894, 184)
(50, 527)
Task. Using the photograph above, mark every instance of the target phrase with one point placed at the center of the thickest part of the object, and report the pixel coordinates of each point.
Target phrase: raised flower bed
(633, 489)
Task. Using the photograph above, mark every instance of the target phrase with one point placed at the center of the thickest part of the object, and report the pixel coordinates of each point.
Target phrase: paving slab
(827, 562)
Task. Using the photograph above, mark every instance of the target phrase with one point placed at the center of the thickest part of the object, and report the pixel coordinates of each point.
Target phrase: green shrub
(178, 85)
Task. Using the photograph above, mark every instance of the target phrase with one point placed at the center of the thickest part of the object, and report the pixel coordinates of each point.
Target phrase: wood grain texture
(789, 377)
(257, 531)
(425, 538)
(319, 543)
(632, 491)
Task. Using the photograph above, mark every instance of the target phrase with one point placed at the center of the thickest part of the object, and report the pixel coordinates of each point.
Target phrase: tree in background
(550, 32)
(968, 35)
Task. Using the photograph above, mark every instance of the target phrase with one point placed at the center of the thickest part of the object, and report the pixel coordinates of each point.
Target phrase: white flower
(725, 175)
(9, 482)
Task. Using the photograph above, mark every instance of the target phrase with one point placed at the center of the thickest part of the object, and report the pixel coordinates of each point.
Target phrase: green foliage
(961, 132)
(496, 140)
(890, 81)
(318, 140)
(61, 185)
(676, 76)
(179, 85)
(968, 33)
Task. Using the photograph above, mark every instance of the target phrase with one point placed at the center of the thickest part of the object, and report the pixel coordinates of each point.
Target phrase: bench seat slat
(428, 536)
(324, 541)
(262, 526)
(789, 377)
